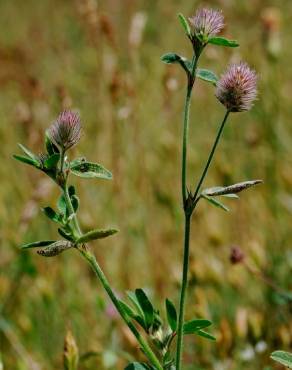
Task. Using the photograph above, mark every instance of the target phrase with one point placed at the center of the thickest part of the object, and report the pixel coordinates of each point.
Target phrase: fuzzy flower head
(207, 23)
(66, 130)
(237, 88)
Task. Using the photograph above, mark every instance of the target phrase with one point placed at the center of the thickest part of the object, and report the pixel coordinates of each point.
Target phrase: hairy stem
(200, 182)
(101, 276)
(188, 214)
(191, 81)
(179, 347)
(98, 271)
(76, 227)
(186, 119)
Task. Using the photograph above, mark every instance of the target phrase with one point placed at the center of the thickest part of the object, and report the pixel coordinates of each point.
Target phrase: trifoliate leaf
(221, 41)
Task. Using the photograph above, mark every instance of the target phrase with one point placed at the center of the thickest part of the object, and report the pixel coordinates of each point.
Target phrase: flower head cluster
(207, 22)
(237, 88)
(66, 130)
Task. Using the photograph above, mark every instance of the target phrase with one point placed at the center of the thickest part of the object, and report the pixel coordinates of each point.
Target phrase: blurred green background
(103, 58)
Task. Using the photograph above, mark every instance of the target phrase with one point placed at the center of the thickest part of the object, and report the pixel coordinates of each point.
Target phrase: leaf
(215, 202)
(52, 215)
(41, 243)
(26, 160)
(90, 170)
(77, 161)
(193, 326)
(171, 314)
(171, 58)
(96, 234)
(206, 335)
(28, 152)
(75, 202)
(137, 366)
(221, 41)
(206, 75)
(135, 302)
(232, 189)
(55, 248)
(66, 235)
(146, 307)
(62, 205)
(52, 161)
(284, 358)
(127, 309)
(71, 190)
(185, 24)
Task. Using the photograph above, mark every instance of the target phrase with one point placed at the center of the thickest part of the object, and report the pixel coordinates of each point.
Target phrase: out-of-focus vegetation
(103, 59)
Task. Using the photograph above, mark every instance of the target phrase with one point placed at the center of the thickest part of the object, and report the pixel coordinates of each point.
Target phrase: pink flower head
(207, 22)
(66, 130)
(237, 88)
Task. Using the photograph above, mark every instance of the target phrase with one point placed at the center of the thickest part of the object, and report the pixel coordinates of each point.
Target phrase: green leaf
(55, 248)
(221, 41)
(137, 366)
(204, 334)
(26, 160)
(127, 309)
(206, 75)
(171, 314)
(193, 326)
(75, 202)
(52, 161)
(146, 307)
(52, 215)
(66, 235)
(41, 243)
(71, 190)
(185, 24)
(135, 302)
(96, 234)
(77, 161)
(171, 58)
(215, 202)
(284, 358)
(62, 205)
(28, 152)
(232, 189)
(50, 146)
(90, 170)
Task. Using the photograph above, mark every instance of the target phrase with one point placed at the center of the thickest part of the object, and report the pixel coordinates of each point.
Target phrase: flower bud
(237, 88)
(66, 130)
(71, 355)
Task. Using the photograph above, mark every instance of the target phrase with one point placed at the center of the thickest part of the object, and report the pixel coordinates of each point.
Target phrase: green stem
(179, 347)
(76, 227)
(98, 271)
(187, 248)
(210, 158)
(191, 81)
(185, 142)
